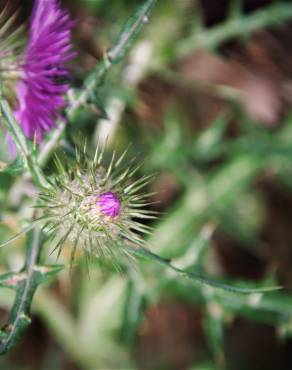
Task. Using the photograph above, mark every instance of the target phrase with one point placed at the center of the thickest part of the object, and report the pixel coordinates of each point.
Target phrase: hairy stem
(22, 143)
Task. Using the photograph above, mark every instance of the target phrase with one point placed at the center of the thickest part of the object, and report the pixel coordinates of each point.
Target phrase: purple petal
(109, 204)
(49, 49)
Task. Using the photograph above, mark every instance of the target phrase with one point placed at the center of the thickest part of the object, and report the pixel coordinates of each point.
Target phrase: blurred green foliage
(95, 316)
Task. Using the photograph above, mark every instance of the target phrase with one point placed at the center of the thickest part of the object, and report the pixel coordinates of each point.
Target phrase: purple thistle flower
(109, 204)
(40, 92)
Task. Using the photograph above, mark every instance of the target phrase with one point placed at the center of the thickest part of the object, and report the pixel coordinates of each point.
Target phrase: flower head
(41, 89)
(109, 204)
(96, 210)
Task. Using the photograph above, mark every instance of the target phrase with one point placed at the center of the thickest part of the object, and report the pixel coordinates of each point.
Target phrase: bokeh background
(204, 97)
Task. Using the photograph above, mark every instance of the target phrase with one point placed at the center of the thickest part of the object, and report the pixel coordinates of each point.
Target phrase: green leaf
(210, 140)
(133, 311)
(11, 280)
(13, 168)
(196, 276)
(44, 273)
(41, 274)
(25, 283)
(213, 324)
(98, 104)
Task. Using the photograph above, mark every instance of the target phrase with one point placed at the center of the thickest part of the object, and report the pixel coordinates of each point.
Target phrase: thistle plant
(112, 205)
(94, 206)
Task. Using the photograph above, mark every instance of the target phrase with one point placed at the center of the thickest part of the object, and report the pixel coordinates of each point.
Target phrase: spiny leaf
(11, 279)
(16, 236)
(41, 274)
(12, 168)
(25, 283)
(196, 276)
(97, 102)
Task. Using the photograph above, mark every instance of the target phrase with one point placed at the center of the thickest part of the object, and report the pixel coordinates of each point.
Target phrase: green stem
(196, 276)
(114, 55)
(237, 26)
(19, 316)
(130, 31)
(22, 143)
(51, 144)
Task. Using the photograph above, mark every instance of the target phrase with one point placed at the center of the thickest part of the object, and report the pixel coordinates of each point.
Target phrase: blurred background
(204, 97)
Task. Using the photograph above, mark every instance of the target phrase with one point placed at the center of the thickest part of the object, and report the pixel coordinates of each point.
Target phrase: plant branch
(22, 143)
(25, 283)
(196, 276)
(19, 316)
(236, 26)
(114, 55)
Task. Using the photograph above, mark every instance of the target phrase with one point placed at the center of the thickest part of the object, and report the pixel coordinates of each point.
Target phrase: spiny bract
(96, 210)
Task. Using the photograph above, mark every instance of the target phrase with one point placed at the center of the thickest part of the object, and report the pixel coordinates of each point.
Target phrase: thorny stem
(21, 142)
(114, 55)
(19, 316)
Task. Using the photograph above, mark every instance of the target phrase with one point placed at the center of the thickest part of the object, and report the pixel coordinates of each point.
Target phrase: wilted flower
(43, 72)
(96, 210)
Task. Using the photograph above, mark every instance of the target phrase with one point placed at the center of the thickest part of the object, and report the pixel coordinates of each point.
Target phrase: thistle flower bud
(97, 210)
